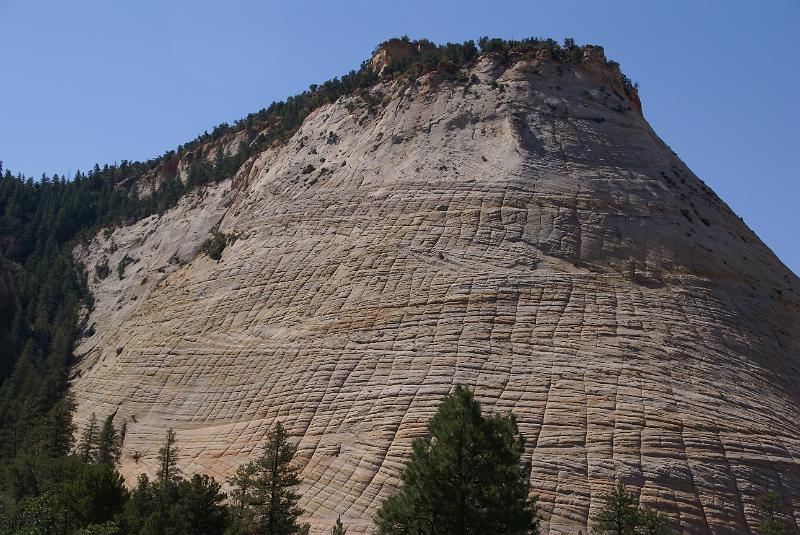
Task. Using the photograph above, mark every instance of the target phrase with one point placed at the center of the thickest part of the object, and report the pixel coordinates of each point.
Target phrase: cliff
(517, 227)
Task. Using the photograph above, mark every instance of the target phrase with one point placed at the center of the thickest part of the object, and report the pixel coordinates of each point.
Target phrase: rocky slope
(522, 231)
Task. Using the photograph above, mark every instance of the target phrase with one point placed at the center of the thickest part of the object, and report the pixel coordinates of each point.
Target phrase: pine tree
(58, 427)
(168, 460)
(201, 503)
(466, 477)
(93, 496)
(275, 498)
(140, 505)
(88, 444)
(338, 529)
(219, 165)
(241, 483)
(108, 443)
(619, 515)
(264, 489)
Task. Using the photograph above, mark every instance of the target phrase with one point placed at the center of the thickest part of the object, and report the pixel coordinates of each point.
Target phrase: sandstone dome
(519, 229)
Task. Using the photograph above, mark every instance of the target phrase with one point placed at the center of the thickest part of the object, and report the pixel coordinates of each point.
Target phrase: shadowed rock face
(535, 240)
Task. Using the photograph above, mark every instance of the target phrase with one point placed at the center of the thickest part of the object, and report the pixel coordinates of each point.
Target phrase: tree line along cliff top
(396, 58)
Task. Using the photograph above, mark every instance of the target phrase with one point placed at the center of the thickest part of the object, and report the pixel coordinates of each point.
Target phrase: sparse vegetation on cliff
(621, 516)
(124, 262)
(214, 246)
(101, 269)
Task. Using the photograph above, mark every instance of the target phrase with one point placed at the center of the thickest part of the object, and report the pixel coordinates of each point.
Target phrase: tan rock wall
(533, 241)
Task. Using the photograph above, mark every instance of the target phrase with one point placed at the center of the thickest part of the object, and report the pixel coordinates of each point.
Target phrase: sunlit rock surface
(532, 238)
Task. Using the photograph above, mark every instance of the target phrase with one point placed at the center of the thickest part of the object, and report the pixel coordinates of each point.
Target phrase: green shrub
(125, 262)
(214, 246)
(621, 515)
(101, 269)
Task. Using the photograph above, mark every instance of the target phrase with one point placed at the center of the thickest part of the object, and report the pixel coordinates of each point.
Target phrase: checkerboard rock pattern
(532, 238)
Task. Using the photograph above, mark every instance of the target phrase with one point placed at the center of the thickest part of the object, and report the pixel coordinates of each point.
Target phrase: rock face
(523, 232)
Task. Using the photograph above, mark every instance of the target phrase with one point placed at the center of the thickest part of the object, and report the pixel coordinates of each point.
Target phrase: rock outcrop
(398, 50)
(519, 229)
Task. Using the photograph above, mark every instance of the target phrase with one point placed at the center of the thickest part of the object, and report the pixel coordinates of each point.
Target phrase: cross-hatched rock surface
(522, 231)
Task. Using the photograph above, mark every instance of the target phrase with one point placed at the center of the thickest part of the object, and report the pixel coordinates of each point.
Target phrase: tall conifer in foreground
(264, 489)
(168, 459)
(88, 445)
(466, 477)
(59, 429)
(241, 483)
(108, 443)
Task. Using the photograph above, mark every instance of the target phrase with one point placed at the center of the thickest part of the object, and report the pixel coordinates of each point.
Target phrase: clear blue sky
(101, 81)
